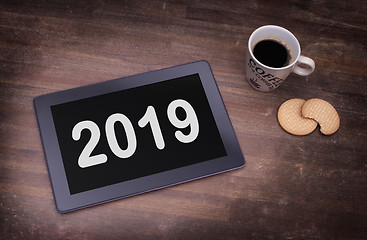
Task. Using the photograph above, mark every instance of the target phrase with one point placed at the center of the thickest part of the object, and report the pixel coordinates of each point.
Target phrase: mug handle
(304, 61)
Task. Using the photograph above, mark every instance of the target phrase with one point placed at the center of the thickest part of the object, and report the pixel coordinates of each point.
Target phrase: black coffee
(272, 53)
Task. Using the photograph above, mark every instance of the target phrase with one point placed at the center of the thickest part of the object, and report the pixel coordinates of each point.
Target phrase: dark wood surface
(310, 187)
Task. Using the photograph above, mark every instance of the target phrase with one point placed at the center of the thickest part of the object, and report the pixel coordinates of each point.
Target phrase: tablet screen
(132, 133)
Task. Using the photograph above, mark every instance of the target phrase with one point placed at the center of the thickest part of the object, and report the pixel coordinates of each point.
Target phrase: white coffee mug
(266, 78)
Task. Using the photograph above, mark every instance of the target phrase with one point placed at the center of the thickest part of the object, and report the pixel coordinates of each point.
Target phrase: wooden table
(309, 187)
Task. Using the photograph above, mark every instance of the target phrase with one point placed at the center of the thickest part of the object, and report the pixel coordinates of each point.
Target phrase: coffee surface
(271, 53)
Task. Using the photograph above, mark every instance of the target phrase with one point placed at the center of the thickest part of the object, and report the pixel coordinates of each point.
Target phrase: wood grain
(310, 187)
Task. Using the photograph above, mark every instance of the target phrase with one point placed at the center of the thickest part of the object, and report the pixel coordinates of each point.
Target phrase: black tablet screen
(128, 134)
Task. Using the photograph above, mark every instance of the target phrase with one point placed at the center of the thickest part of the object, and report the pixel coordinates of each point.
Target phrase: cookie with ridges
(291, 120)
(322, 112)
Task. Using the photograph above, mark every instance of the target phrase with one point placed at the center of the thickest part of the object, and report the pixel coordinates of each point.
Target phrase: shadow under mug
(265, 78)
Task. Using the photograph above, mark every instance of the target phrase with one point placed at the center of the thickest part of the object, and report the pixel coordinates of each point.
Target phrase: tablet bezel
(66, 202)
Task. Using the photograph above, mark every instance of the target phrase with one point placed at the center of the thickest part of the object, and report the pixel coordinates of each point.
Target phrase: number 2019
(150, 117)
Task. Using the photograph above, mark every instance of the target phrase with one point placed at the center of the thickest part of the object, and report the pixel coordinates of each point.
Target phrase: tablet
(135, 134)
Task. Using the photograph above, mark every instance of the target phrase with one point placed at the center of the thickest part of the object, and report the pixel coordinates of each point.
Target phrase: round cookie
(291, 119)
(324, 113)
